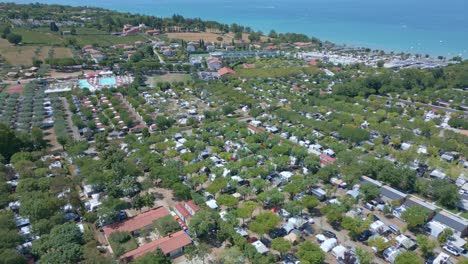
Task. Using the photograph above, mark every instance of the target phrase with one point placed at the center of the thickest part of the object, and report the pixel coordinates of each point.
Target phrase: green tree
(271, 198)
(445, 235)
(152, 258)
(310, 253)
(11, 256)
(370, 191)
(408, 257)
(378, 243)
(264, 222)
(203, 222)
(364, 256)
(415, 216)
(246, 210)
(181, 191)
(14, 38)
(9, 238)
(310, 201)
(227, 200)
(426, 245)
(446, 193)
(281, 245)
(9, 143)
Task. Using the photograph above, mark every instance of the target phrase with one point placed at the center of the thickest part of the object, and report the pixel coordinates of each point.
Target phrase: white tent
(339, 251)
(328, 244)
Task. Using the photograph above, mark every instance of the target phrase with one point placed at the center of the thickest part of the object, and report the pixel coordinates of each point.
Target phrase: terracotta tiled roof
(194, 207)
(137, 222)
(325, 159)
(167, 244)
(181, 209)
(225, 70)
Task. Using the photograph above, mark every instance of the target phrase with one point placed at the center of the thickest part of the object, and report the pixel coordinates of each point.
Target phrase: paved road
(159, 56)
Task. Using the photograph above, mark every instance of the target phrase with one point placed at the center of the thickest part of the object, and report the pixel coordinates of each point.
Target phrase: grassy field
(209, 37)
(17, 55)
(84, 36)
(36, 37)
(62, 52)
(194, 36)
(87, 36)
(23, 55)
(171, 77)
(275, 72)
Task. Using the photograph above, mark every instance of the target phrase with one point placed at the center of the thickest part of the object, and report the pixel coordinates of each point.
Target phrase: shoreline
(322, 30)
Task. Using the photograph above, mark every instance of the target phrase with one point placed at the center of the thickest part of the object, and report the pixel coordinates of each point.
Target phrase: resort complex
(129, 138)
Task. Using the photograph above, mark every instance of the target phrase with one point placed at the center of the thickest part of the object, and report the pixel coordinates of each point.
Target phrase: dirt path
(75, 133)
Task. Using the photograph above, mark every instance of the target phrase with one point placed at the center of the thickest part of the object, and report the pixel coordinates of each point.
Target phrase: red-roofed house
(271, 47)
(15, 89)
(186, 210)
(153, 32)
(225, 70)
(255, 130)
(137, 222)
(326, 160)
(191, 207)
(172, 245)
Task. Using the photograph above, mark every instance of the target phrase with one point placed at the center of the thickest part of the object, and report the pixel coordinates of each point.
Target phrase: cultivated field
(17, 55)
(23, 55)
(170, 77)
(209, 37)
(196, 36)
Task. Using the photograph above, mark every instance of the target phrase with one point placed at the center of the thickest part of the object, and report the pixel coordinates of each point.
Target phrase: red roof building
(225, 70)
(191, 207)
(186, 210)
(255, 130)
(271, 47)
(153, 32)
(172, 245)
(15, 89)
(183, 214)
(326, 160)
(137, 222)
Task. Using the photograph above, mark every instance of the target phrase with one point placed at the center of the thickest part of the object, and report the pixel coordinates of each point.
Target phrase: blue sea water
(433, 27)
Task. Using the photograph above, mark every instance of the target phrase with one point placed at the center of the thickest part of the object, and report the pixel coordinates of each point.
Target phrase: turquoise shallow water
(107, 81)
(84, 84)
(418, 26)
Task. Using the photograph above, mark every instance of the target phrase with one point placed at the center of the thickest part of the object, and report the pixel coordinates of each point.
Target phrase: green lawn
(465, 215)
(39, 37)
(84, 36)
(274, 72)
(166, 225)
(171, 77)
(122, 242)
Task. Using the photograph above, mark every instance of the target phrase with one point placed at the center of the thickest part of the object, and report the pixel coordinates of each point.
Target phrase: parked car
(364, 236)
(289, 258)
(451, 250)
(277, 232)
(228, 190)
(329, 234)
(308, 218)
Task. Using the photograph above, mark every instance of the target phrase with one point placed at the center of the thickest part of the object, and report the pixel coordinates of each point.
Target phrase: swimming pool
(84, 84)
(107, 81)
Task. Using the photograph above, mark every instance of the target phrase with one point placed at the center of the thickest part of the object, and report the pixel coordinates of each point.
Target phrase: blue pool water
(84, 84)
(107, 81)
